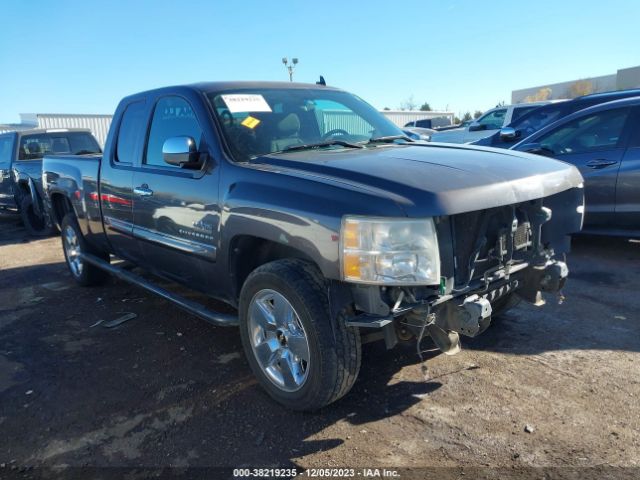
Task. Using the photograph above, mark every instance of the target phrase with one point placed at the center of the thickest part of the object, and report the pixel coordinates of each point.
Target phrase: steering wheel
(335, 131)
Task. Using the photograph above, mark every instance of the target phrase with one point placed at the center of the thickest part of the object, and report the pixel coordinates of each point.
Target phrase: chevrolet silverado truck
(21, 170)
(317, 220)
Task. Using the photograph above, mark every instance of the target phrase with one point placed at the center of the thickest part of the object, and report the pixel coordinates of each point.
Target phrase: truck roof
(207, 87)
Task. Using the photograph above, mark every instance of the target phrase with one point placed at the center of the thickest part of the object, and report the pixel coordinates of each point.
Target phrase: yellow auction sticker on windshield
(250, 122)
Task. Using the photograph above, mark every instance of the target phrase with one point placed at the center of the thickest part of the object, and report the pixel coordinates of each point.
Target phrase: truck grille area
(488, 239)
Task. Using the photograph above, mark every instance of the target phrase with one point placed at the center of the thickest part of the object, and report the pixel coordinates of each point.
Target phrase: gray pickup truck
(311, 214)
(21, 169)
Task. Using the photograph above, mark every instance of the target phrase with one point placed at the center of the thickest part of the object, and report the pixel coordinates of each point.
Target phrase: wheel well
(24, 191)
(60, 206)
(248, 253)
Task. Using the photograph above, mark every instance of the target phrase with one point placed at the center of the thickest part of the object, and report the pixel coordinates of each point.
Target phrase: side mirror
(476, 127)
(509, 134)
(182, 152)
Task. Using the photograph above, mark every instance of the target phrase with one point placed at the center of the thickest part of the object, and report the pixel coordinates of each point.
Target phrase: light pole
(290, 66)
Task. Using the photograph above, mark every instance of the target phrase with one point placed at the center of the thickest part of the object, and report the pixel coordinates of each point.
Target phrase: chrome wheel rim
(72, 250)
(278, 340)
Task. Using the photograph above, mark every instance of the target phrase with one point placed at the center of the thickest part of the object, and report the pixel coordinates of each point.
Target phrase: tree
(580, 88)
(466, 117)
(386, 108)
(456, 120)
(425, 107)
(408, 104)
(541, 95)
(477, 114)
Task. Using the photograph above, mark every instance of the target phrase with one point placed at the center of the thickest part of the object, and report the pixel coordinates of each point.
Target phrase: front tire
(302, 357)
(73, 245)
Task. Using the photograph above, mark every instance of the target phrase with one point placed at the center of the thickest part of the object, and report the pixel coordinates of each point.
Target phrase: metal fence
(98, 124)
(402, 117)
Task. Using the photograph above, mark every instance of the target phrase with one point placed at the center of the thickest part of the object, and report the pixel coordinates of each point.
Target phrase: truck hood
(432, 179)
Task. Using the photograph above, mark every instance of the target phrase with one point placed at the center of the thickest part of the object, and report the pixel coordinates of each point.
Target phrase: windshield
(262, 121)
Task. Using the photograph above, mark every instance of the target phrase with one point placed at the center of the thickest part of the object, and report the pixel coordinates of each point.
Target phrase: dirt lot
(167, 389)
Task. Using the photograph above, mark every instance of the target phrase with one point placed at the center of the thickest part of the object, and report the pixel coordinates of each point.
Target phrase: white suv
(492, 121)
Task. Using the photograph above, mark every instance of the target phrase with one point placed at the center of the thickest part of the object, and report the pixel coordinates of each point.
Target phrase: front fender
(298, 212)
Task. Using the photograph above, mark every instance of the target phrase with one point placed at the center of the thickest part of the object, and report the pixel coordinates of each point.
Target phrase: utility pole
(290, 66)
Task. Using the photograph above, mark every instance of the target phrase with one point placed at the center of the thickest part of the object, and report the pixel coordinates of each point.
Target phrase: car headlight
(383, 251)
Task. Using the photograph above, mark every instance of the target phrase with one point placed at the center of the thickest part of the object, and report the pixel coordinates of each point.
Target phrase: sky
(83, 56)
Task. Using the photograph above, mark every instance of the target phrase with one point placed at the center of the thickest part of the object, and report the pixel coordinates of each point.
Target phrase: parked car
(417, 133)
(432, 123)
(21, 169)
(603, 142)
(319, 234)
(464, 124)
(489, 123)
(532, 121)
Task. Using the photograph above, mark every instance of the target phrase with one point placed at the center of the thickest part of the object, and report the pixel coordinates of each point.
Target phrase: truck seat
(287, 133)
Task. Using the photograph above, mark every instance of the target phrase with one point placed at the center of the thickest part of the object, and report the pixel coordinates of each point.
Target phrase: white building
(623, 79)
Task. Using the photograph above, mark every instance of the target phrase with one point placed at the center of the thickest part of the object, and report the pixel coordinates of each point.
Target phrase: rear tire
(35, 225)
(74, 244)
(295, 291)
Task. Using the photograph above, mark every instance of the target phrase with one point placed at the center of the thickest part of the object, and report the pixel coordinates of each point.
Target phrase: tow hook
(476, 315)
(555, 276)
(549, 278)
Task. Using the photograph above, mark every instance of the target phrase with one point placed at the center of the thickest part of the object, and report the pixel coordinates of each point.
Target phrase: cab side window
(634, 140)
(595, 132)
(131, 132)
(172, 117)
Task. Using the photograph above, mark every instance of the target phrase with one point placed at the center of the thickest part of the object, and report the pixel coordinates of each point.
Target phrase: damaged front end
(489, 260)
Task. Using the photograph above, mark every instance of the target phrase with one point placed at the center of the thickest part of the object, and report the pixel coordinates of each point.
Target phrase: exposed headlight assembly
(386, 251)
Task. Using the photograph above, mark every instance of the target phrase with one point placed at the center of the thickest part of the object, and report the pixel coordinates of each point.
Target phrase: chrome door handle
(143, 191)
(600, 163)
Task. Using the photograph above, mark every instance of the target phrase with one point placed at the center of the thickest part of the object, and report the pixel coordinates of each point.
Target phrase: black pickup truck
(21, 168)
(311, 214)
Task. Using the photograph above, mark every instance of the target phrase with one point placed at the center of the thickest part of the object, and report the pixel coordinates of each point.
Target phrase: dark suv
(540, 117)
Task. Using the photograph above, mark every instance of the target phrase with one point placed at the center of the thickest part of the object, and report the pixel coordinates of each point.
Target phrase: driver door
(6, 185)
(595, 143)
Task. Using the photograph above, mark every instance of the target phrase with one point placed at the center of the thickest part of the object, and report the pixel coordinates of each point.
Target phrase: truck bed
(74, 178)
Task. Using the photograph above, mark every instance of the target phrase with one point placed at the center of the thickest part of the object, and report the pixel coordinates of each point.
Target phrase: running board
(216, 318)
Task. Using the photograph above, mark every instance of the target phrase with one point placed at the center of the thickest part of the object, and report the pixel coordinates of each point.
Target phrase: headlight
(382, 251)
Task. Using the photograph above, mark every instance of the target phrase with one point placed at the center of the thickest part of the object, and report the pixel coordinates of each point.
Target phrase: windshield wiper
(389, 139)
(328, 143)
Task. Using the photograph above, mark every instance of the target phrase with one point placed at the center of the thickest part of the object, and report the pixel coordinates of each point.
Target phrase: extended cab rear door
(175, 210)
(121, 158)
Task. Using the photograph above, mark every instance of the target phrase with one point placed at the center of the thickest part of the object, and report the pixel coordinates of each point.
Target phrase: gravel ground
(556, 386)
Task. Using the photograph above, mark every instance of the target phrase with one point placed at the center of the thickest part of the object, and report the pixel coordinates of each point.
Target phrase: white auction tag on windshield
(241, 102)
